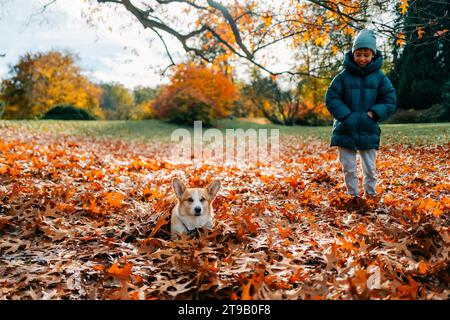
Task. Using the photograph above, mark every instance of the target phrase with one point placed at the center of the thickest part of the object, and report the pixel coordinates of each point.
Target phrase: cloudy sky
(127, 54)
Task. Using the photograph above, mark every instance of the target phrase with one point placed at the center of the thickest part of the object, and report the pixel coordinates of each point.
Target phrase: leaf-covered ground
(86, 218)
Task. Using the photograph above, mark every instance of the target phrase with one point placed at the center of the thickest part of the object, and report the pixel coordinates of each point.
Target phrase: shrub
(437, 113)
(184, 107)
(446, 100)
(311, 114)
(67, 112)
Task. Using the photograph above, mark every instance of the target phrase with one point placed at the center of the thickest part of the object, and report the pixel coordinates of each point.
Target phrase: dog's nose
(198, 210)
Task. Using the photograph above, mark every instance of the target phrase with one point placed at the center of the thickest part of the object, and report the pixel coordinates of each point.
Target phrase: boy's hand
(371, 115)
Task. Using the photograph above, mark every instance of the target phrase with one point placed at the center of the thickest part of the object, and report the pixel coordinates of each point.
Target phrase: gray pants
(348, 159)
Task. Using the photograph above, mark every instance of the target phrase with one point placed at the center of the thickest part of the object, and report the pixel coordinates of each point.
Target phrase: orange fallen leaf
(423, 267)
(285, 232)
(114, 199)
(121, 273)
(246, 292)
(162, 221)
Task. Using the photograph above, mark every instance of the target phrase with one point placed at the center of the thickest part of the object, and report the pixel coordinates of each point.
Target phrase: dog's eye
(202, 199)
(190, 200)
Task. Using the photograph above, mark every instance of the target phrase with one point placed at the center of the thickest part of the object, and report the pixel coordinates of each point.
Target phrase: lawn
(154, 130)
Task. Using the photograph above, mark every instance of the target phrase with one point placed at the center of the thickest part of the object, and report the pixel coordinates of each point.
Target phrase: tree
(143, 111)
(143, 94)
(184, 106)
(423, 66)
(325, 61)
(144, 98)
(42, 80)
(277, 105)
(244, 107)
(210, 91)
(116, 101)
(2, 108)
(446, 101)
(243, 30)
(313, 110)
(301, 102)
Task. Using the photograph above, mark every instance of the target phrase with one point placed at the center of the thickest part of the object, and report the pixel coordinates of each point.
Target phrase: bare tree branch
(172, 63)
(185, 1)
(233, 26)
(153, 24)
(44, 7)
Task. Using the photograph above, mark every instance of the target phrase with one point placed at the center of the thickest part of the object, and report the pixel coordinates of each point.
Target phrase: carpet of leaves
(86, 218)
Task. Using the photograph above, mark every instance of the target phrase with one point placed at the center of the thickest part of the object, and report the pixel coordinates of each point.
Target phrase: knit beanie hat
(365, 39)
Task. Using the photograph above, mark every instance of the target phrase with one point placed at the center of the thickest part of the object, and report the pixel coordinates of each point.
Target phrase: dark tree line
(421, 71)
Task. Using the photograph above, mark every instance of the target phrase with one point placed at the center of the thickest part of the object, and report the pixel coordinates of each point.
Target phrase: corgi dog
(194, 208)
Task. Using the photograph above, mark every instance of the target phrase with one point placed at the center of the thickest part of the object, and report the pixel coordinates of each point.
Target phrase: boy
(358, 98)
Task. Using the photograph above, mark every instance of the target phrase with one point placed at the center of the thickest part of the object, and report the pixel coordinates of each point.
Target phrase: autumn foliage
(196, 93)
(85, 218)
(41, 81)
(313, 110)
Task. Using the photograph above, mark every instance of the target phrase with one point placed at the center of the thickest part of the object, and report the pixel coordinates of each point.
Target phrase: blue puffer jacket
(354, 92)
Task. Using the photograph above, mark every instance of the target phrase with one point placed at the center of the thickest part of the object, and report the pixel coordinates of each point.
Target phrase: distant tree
(422, 67)
(2, 108)
(299, 102)
(42, 80)
(244, 107)
(312, 109)
(446, 101)
(117, 102)
(144, 98)
(143, 111)
(184, 106)
(277, 105)
(144, 94)
(212, 93)
(324, 61)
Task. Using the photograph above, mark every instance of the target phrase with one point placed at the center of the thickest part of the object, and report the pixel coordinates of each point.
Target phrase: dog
(194, 208)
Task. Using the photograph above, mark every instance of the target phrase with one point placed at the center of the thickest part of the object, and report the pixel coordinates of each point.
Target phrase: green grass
(411, 134)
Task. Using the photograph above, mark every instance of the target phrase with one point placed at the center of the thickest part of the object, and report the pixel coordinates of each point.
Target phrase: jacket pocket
(347, 125)
(368, 124)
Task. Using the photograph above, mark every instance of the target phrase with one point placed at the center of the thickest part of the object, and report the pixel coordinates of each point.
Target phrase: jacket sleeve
(333, 99)
(386, 102)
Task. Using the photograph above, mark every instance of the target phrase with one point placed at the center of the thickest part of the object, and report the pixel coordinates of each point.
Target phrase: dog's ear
(178, 187)
(213, 188)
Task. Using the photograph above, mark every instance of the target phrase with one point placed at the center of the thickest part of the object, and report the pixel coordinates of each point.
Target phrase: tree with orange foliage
(196, 93)
(312, 110)
(40, 81)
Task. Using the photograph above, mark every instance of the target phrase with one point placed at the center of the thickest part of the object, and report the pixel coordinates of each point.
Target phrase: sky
(129, 55)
